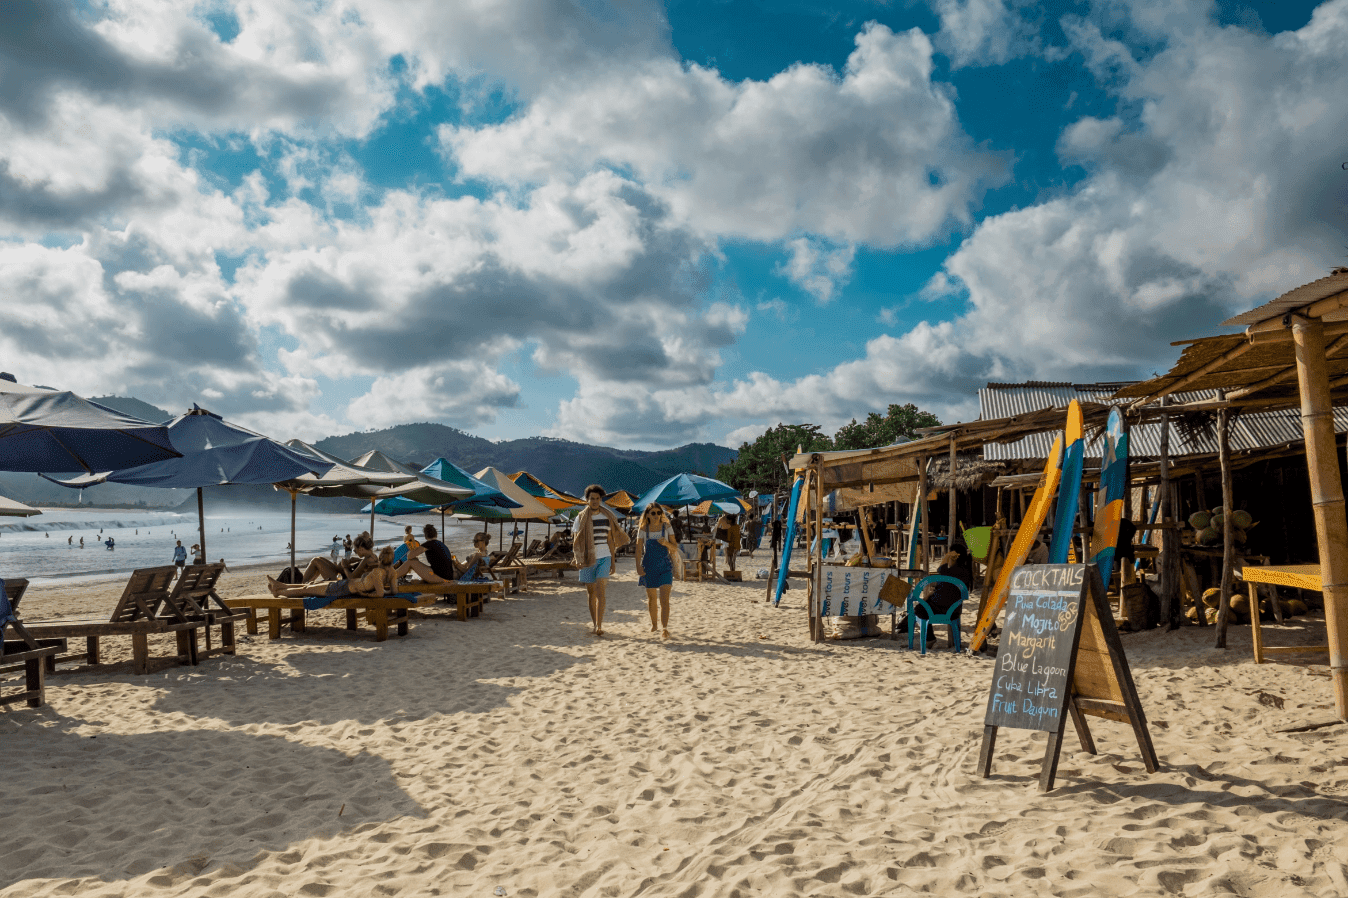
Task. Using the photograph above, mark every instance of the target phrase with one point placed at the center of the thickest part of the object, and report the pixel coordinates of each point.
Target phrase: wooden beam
(1228, 528)
(1288, 373)
(1230, 355)
(950, 497)
(1278, 332)
(1170, 610)
(1318, 309)
(922, 499)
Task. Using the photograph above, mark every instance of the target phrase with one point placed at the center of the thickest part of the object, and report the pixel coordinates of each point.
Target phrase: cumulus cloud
(876, 155)
(818, 269)
(986, 32)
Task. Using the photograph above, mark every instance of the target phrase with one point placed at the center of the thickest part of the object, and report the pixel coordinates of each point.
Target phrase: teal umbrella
(686, 489)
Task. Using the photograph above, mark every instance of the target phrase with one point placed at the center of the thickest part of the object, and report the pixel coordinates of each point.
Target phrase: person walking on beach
(346, 545)
(335, 550)
(655, 564)
(728, 529)
(179, 557)
(597, 534)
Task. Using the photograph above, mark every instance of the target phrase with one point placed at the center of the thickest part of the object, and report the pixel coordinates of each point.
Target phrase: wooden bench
(379, 611)
(560, 567)
(34, 656)
(194, 599)
(469, 597)
(138, 615)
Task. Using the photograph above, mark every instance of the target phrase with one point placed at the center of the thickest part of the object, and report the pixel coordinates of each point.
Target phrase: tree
(759, 464)
(901, 423)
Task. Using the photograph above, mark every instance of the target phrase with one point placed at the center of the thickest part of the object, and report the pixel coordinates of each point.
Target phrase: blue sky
(644, 224)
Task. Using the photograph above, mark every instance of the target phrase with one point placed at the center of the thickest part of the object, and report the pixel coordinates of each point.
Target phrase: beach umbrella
(45, 430)
(11, 509)
(621, 499)
(530, 509)
(341, 481)
(213, 453)
(686, 489)
(726, 506)
(550, 496)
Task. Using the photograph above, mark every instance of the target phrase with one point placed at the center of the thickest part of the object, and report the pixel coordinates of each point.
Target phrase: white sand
(735, 759)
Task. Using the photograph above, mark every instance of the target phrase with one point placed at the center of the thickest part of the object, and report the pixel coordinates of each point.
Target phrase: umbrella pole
(293, 494)
(371, 520)
(526, 534)
(442, 522)
(201, 523)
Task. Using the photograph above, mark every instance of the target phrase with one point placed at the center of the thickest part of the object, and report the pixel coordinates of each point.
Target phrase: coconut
(1199, 520)
(1218, 522)
(1218, 510)
(1240, 602)
(1211, 615)
(1296, 606)
(1240, 536)
(1212, 597)
(1208, 537)
(1242, 519)
(1191, 613)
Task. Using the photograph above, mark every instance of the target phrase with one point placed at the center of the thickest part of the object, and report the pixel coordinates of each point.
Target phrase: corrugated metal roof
(1293, 299)
(1250, 430)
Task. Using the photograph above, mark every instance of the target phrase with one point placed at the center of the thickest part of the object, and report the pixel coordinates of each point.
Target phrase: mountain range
(562, 464)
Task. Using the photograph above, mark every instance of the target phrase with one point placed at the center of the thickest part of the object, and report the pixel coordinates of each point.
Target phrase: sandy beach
(734, 759)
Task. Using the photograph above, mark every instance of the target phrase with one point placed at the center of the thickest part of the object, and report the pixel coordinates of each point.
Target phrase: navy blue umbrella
(52, 430)
(214, 453)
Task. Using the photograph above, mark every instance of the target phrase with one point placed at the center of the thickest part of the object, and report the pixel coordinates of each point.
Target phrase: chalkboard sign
(1059, 657)
(1032, 682)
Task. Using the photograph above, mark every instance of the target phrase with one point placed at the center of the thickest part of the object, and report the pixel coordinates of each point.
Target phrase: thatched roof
(971, 471)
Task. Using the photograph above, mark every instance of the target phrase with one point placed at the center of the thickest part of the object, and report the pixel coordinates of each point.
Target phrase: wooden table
(1300, 576)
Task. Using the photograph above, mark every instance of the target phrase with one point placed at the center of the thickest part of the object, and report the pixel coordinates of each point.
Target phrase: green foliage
(900, 423)
(759, 464)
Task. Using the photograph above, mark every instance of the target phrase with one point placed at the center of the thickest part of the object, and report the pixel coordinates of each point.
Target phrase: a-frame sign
(1059, 656)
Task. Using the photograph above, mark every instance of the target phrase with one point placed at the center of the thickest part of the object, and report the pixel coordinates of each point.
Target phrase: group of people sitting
(368, 573)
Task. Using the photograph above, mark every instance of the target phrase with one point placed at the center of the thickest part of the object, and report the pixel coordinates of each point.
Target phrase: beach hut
(1291, 354)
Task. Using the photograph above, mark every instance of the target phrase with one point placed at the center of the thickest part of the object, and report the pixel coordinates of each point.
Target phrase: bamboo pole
(1331, 527)
(1228, 528)
(926, 531)
(1169, 551)
(951, 496)
(293, 494)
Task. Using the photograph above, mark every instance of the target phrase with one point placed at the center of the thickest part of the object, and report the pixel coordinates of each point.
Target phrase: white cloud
(876, 155)
(984, 32)
(818, 269)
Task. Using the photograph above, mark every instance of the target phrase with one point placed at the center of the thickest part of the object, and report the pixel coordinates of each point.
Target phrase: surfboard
(1020, 546)
(1109, 496)
(789, 538)
(1069, 487)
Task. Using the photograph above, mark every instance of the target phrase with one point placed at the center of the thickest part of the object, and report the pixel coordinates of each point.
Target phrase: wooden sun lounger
(138, 615)
(380, 611)
(534, 548)
(560, 566)
(510, 566)
(469, 597)
(34, 656)
(194, 598)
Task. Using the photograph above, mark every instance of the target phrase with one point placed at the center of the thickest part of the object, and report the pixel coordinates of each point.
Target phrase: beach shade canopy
(44, 430)
(213, 453)
(551, 497)
(484, 495)
(342, 480)
(418, 487)
(570, 514)
(11, 509)
(622, 499)
(719, 506)
(686, 489)
(530, 509)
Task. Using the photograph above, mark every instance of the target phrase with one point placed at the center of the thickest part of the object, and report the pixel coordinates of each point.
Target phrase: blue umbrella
(686, 489)
(52, 430)
(214, 452)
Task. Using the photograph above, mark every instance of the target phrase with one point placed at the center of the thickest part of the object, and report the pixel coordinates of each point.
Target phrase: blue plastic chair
(951, 618)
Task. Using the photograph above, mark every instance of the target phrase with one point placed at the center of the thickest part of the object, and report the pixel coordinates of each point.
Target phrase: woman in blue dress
(655, 543)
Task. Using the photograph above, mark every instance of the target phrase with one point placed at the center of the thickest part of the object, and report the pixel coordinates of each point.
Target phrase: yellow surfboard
(1020, 546)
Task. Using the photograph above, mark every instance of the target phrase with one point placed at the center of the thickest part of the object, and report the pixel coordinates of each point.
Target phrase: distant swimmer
(110, 543)
(81, 542)
(70, 540)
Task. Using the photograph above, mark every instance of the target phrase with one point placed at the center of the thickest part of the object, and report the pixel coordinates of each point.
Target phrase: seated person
(375, 581)
(941, 597)
(558, 546)
(323, 568)
(431, 559)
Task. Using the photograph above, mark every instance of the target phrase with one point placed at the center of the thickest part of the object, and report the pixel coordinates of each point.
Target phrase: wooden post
(293, 494)
(372, 504)
(1331, 527)
(951, 495)
(1170, 612)
(201, 522)
(922, 499)
(1228, 529)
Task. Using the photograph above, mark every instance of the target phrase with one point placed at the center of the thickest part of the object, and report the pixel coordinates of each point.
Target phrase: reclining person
(375, 581)
(558, 546)
(322, 568)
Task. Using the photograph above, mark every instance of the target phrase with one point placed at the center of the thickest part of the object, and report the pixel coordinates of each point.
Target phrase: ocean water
(46, 547)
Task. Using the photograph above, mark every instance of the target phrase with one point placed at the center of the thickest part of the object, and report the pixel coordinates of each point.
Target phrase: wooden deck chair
(534, 548)
(35, 657)
(508, 569)
(194, 599)
(137, 615)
